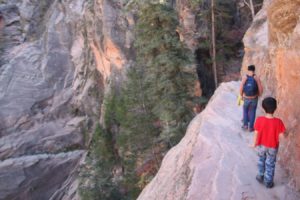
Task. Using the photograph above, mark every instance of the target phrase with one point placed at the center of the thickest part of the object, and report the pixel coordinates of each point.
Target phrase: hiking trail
(214, 161)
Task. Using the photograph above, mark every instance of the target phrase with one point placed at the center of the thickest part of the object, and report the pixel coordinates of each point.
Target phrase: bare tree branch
(251, 7)
(214, 64)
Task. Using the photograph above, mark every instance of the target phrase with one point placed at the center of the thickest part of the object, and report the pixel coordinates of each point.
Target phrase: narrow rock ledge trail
(214, 161)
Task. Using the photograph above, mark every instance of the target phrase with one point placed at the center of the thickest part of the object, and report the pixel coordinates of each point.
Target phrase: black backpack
(250, 86)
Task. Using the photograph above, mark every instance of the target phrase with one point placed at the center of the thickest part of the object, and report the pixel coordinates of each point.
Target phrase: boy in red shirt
(268, 129)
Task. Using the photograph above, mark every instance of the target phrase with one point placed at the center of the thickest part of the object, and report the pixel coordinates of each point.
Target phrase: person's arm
(242, 86)
(259, 85)
(281, 135)
(254, 140)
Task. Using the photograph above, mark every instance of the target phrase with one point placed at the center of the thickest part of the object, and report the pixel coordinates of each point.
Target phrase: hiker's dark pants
(249, 112)
(266, 163)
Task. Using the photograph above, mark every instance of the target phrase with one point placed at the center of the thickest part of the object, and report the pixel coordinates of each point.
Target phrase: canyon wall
(213, 160)
(58, 60)
(272, 44)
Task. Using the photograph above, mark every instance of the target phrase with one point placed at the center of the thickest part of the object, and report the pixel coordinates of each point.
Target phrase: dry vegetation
(283, 17)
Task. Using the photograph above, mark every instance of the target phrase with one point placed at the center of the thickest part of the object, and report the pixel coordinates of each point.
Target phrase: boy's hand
(282, 135)
(253, 145)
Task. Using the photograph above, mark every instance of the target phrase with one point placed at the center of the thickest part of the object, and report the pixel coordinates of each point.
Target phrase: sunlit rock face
(257, 48)
(214, 160)
(58, 59)
(272, 44)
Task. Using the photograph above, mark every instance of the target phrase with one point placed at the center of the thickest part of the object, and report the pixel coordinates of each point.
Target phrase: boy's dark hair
(269, 104)
(251, 68)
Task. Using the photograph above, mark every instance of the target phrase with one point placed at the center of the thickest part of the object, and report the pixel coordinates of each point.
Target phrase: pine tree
(156, 95)
(166, 66)
(137, 127)
(96, 175)
(149, 114)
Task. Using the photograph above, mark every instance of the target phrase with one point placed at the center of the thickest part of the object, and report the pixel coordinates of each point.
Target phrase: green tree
(157, 96)
(148, 115)
(137, 128)
(96, 175)
(219, 17)
(166, 63)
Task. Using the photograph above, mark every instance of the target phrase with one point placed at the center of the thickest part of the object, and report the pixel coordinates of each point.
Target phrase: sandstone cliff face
(272, 44)
(195, 32)
(213, 161)
(60, 58)
(57, 62)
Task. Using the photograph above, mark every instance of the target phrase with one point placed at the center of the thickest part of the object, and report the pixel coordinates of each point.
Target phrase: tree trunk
(251, 7)
(213, 39)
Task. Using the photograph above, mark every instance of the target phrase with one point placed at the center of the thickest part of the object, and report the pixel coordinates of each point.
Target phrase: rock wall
(58, 60)
(194, 31)
(272, 44)
(210, 163)
(214, 160)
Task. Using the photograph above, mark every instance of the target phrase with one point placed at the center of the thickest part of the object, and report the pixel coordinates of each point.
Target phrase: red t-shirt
(268, 131)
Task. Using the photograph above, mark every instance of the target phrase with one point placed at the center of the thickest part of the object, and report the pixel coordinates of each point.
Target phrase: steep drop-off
(58, 59)
(213, 160)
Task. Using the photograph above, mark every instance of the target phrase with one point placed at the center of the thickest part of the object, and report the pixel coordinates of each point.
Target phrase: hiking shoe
(259, 178)
(251, 129)
(245, 128)
(269, 185)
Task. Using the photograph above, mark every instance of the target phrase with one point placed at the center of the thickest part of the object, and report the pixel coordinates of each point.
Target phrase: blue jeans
(249, 112)
(266, 163)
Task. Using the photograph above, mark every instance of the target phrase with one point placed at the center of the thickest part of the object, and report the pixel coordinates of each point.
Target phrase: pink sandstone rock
(213, 160)
(272, 44)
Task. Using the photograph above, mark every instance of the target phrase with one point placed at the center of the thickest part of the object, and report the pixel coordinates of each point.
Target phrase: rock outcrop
(213, 160)
(272, 44)
(194, 31)
(58, 59)
(29, 177)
